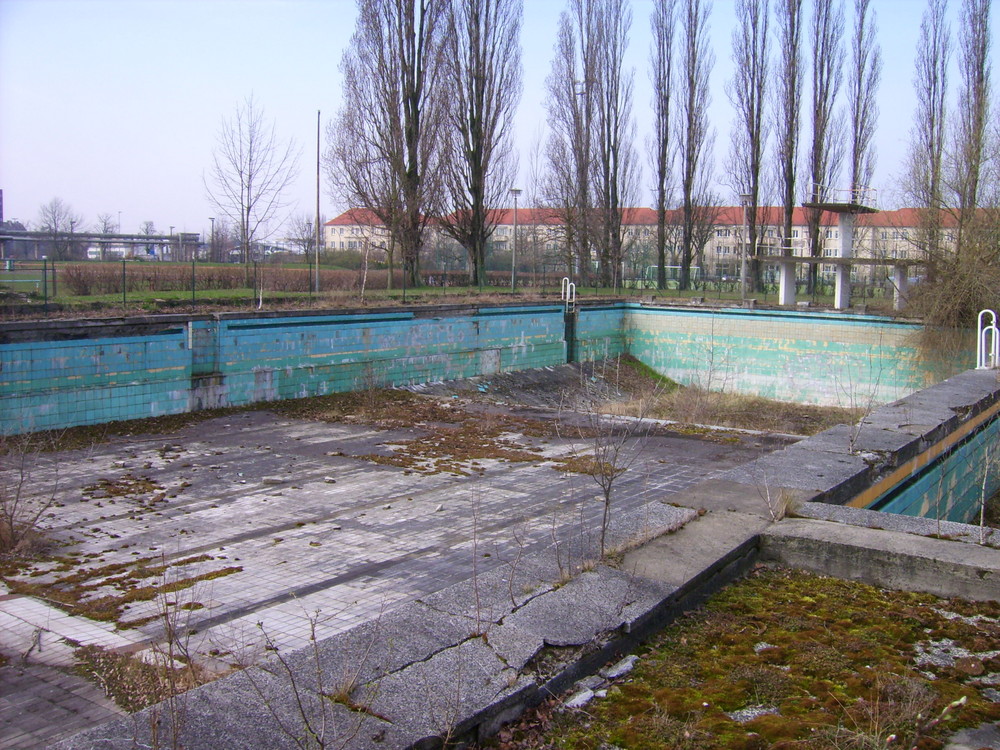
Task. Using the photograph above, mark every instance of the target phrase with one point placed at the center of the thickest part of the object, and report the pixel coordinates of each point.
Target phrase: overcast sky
(115, 105)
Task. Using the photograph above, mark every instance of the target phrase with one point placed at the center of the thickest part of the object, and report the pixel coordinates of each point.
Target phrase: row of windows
(728, 232)
(503, 231)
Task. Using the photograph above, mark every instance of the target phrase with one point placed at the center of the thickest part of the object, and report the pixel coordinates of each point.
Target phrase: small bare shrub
(24, 497)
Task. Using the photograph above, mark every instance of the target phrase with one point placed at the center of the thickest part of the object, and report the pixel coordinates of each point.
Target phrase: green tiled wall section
(807, 357)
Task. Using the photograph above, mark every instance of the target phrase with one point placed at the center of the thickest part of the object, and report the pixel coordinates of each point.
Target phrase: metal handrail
(987, 341)
(568, 295)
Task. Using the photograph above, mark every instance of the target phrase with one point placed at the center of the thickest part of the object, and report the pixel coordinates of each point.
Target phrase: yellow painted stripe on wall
(918, 462)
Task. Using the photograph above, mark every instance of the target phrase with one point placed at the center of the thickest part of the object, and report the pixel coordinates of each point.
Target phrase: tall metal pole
(513, 256)
(318, 229)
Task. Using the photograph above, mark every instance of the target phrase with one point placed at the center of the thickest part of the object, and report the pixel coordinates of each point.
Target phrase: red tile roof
(642, 216)
(355, 217)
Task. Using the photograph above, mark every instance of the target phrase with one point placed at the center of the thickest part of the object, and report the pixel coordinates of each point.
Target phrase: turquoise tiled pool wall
(55, 384)
(49, 382)
(600, 333)
(817, 358)
(951, 488)
(264, 360)
(231, 360)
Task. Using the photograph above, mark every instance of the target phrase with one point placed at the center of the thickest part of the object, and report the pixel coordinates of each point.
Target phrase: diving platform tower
(847, 204)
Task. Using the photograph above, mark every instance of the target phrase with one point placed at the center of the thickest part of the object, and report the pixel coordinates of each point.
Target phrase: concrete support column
(786, 283)
(842, 292)
(900, 284)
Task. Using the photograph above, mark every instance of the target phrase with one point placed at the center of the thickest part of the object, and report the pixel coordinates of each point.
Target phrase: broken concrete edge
(215, 715)
(838, 464)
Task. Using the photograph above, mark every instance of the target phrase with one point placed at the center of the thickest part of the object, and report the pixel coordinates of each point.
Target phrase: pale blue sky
(114, 105)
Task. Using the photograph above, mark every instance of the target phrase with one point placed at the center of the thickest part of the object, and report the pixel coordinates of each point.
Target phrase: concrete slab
(891, 559)
(677, 559)
(815, 474)
(443, 696)
(874, 519)
(588, 607)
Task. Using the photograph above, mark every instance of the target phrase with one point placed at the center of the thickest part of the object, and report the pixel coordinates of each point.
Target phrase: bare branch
(251, 169)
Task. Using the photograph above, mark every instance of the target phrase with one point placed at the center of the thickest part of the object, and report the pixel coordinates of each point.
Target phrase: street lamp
(211, 248)
(513, 256)
(745, 199)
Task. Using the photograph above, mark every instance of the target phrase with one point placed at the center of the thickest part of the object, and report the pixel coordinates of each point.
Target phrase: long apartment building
(886, 235)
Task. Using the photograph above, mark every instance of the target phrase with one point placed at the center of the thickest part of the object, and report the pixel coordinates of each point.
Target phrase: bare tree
(385, 153)
(694, 137)
(924, 180)
(747, 90)
(866, 72)
(704, 221)
(302, 234)
(106, 224)
(662, 75)
(973, 112)
(58, 220)
(826, 148)
(483, 53)
(251, 169)
(615, 166)
(789, 94)
(571, 104)
(147, 229)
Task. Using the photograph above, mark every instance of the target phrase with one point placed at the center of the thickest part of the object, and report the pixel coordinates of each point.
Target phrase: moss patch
(786, 659)
(104, 592)
(134, 684)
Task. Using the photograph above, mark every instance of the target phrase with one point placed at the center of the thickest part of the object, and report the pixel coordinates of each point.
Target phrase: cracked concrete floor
(281, 530)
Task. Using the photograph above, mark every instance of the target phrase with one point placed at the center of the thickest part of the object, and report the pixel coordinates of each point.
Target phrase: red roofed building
(885, 235)
(353, 229)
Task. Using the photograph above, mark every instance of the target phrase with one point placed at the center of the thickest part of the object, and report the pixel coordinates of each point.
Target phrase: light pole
(319, 241)
(211, 248)
(119, 222)
(745, 199)
(513, 255)
(170, 242)
(309, 242)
